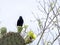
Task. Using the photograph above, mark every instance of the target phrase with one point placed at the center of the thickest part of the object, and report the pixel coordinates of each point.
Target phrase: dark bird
(20, 21)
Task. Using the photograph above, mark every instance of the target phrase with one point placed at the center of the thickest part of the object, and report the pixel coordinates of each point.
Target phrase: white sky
(10, 10)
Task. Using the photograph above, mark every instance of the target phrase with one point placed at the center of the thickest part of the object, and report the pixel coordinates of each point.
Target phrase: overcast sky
(10, 10)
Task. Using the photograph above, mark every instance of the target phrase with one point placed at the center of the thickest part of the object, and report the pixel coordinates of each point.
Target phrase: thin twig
(45, 25)
(55, 40)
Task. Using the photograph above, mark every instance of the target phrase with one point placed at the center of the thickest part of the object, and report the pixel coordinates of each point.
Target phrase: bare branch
(55, 39)
(45, 27)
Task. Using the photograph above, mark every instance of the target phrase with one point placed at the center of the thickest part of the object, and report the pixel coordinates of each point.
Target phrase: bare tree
(50, 10)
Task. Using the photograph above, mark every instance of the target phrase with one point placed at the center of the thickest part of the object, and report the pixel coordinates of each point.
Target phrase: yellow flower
(32, 35)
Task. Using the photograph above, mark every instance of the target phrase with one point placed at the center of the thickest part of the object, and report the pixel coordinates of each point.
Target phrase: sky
(10, 10)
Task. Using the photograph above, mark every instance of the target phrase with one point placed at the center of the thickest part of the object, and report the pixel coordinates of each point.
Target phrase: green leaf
(28, 40)
(19, 29)
(3, 30)
(25, 26)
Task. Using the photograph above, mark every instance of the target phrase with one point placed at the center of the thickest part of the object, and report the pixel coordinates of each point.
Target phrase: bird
(20, 21)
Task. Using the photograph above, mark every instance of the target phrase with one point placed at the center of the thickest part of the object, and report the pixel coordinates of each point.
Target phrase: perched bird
(20, 24)
(20, 21)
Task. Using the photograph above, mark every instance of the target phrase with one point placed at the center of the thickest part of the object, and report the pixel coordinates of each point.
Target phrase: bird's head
(20, 17)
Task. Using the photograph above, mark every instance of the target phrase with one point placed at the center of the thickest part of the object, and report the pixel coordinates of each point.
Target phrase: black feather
(20, 21)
